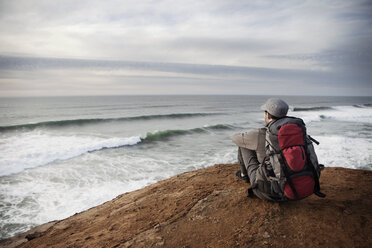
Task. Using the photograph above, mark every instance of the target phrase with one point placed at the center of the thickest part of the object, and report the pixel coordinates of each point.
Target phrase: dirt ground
(210, 208)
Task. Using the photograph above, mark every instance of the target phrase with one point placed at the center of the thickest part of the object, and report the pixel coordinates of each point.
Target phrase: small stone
(157, 226)
(347, 211)
(266, 235)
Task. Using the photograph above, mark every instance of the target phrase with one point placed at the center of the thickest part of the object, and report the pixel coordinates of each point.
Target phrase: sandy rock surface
(210, 208)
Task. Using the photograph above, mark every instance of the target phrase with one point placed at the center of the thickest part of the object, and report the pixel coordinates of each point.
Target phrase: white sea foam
(351, 113)
(63, 188)
(342, 151)
(33, 149)
(341, 113)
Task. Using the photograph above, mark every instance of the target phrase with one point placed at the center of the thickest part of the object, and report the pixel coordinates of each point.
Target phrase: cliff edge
(210, 208)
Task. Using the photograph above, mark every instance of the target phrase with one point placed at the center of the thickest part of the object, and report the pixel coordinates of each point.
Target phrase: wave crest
(76, 122)
(300, 109)
(320, 108)
(40, 149)
(166, 134)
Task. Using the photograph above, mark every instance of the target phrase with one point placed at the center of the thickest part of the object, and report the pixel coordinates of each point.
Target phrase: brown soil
(210, 208)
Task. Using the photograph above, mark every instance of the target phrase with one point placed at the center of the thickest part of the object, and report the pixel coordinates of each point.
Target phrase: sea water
(63, 155)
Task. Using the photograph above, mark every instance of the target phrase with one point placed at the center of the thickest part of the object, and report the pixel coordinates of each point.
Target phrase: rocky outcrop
(210, 208)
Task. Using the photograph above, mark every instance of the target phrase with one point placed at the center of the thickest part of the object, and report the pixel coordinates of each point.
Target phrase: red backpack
(291, 160)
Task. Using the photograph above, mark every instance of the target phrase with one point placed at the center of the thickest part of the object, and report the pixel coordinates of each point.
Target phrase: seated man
(251, 152)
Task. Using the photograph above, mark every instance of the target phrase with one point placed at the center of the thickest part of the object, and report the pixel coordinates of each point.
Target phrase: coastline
(210, 208)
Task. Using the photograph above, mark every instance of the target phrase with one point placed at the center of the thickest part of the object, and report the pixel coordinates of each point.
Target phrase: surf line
(61, 123)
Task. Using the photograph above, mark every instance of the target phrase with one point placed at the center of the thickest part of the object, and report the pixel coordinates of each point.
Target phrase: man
(251, 152)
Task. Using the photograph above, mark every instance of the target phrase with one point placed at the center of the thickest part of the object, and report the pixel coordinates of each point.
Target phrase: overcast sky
(92, 47)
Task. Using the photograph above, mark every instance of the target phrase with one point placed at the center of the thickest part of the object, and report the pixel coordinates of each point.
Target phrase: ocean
(63, 155)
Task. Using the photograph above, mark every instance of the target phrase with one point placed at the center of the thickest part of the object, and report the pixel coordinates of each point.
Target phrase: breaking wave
(298, 109)
(319, 108)
(62, 123)
(39, 149)
(355, 113)
(166, 134)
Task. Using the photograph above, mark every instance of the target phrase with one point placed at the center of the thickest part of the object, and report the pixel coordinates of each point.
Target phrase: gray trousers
(248, 163)
(250, 166)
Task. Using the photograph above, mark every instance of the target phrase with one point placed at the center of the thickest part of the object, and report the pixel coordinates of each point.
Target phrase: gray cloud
(30, 63)
(232, 45)
(211, 73)
(223, 44)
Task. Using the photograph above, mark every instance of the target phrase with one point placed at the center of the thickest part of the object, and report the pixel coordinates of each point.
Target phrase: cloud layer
(177, 47)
